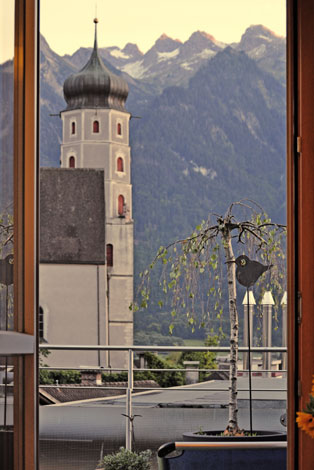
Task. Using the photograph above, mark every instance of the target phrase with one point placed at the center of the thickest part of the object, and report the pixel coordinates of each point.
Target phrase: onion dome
(95, 86)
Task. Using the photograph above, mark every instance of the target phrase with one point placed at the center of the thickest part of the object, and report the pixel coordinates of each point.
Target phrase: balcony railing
(131, 388)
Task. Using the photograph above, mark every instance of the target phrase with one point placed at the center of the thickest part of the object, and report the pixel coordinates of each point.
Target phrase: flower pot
(231, 455)
(217, 436)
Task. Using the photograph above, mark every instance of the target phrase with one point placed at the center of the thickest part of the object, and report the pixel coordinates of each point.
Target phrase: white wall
(74, 301)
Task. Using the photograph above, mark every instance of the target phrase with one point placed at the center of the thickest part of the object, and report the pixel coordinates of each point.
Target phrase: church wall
(121, 296)
(67, 119)
(123, 152)
(69, 150)
(120, 334)
(112, 192)
(73, 298)
(122, 118)
(121, 238)
(91, 115)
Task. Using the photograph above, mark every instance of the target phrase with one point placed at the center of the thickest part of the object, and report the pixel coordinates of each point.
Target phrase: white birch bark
(234, 331)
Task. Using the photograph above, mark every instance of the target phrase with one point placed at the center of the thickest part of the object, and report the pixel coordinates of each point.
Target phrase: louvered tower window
(72, 162)
(96, 127)
(120, 164)
(109, 254)
(121, 205)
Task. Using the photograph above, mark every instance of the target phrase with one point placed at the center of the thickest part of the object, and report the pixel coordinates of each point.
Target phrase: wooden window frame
(300, 200)
(300, 203)
(25, 234)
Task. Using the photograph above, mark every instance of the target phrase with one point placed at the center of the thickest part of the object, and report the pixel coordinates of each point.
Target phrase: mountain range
(212, 127)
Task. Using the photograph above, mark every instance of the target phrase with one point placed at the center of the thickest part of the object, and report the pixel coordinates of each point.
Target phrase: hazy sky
(67, 24)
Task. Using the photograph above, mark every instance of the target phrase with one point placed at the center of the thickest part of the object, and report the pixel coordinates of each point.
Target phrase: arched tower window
(73, 128)
(120, 164)
(109, 254)
(121, 205)
(41, 324)
(71, 162)
(119, 128)
(96, 127)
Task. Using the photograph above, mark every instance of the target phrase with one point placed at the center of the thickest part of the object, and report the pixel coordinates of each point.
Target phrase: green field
(193, 342)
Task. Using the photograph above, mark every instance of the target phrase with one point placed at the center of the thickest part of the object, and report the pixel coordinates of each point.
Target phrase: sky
(68, 24)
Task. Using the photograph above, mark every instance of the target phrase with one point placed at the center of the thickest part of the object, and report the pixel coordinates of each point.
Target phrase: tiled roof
(72, 211)
(75, 392)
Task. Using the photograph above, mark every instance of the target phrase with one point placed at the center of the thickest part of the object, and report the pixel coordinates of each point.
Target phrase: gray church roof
(72, 216)
(95, 86)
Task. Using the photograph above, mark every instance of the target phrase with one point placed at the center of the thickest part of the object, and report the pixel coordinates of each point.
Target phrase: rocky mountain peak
(166, 44)
(132, 50)
(200, 35)
(255, 36)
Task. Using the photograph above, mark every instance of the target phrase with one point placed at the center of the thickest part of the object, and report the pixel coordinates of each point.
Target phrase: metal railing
(131, 369)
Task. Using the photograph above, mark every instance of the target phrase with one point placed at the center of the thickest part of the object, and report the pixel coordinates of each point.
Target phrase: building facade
(95, 139)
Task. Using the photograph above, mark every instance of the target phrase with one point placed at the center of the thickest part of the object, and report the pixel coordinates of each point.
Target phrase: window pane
(6, 226)
(6, 164)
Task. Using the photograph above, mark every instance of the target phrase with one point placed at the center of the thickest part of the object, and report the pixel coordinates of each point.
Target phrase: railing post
(248, 306)
(128, 404)
(267, 303)
(284, 329)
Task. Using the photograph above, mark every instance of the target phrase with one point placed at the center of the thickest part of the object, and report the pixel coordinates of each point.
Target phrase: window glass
(6, 165)
(6, 226)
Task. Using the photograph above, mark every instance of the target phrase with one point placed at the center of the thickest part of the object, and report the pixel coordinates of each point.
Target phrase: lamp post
(267, 303)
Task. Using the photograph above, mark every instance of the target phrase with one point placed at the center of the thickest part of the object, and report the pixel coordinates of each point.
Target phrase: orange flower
(306, 422)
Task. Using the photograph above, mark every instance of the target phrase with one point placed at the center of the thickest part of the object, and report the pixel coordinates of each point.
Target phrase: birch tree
(202, 265)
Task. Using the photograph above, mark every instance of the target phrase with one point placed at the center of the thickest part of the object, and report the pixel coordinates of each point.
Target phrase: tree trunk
(234, 332)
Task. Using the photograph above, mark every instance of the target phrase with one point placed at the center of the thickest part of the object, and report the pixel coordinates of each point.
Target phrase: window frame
(25, 127)
(300, 199)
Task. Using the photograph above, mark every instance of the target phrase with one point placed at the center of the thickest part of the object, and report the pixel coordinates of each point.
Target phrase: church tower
(96, 135)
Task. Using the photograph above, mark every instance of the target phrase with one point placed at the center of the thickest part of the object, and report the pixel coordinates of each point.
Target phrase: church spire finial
(95, 41)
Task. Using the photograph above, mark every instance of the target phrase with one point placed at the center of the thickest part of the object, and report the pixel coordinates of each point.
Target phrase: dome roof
(95, 86)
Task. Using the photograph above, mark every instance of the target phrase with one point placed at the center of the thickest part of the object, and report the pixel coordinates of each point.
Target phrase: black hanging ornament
(249, 271)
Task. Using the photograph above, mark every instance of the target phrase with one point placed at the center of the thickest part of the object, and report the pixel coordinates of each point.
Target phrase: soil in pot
(212, 436)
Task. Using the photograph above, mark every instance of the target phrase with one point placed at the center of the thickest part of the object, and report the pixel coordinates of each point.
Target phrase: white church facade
(86, 225)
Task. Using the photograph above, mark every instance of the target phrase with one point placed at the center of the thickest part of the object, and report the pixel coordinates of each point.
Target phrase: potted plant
(126, 460)
(207, 251)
